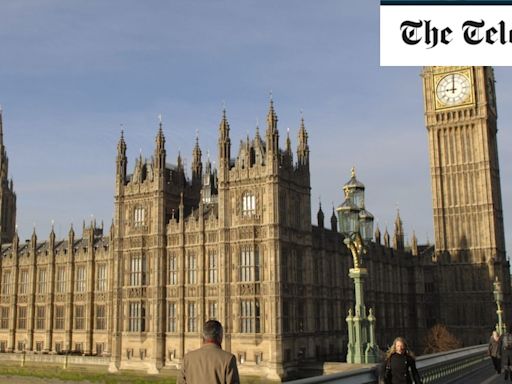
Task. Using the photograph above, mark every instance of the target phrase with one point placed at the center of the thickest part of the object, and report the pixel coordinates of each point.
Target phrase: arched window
(248, 204)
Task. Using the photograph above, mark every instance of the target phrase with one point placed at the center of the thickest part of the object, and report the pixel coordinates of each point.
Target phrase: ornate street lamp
(498, 297)
(356, 225)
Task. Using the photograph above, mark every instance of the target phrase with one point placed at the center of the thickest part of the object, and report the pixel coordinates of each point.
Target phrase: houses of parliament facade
(237, 244)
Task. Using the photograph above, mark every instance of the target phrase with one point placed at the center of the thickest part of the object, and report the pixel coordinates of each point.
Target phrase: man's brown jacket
(209, 365)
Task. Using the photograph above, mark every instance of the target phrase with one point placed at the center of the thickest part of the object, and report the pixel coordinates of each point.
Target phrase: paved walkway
(36, 380)
(484, 375)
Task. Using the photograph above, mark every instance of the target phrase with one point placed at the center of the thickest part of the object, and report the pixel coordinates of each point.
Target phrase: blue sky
(71, 72)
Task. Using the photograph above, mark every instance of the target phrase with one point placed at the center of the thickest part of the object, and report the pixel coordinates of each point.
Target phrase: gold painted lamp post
(498, 297)
(356, 225)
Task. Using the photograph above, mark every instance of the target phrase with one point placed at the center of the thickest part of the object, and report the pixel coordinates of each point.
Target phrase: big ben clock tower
(460, 114)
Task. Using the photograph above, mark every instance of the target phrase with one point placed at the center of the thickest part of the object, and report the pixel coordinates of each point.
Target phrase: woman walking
(400, 364)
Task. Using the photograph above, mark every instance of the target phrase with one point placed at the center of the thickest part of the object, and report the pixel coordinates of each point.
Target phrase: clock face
(453, 89)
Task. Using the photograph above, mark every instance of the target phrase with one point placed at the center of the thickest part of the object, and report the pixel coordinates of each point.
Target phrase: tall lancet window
(41, 280)
(137, 270)
(248, 204)
(250, 316)
(212, 267)
(139, 217)
(6, 283)
(249, 264)
(23, 282)
(136, 317)
(173, 269)
(80, 283)
(101, 278)
(191, 268)
(60, 280)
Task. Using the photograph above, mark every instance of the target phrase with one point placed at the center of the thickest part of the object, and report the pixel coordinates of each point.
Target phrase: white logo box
(433, 33)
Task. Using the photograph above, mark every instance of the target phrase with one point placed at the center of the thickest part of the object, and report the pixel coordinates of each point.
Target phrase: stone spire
(377, 235)
(320, 216)
(414, 244)
(334, 220)
(71, 239)
(160, 154)
(197, 164)
(303, 147)
(398, 236)
(51, 239)
(121, 160)
(288, 143)
(179, 163)
(386, 238)
(288, 153)
(33, 239)
(272, 134)
(224, 142)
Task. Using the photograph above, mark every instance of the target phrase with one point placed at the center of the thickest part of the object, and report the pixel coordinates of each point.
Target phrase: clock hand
(453, 89)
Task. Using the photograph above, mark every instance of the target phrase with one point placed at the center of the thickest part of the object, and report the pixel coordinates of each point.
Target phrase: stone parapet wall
(62, 360)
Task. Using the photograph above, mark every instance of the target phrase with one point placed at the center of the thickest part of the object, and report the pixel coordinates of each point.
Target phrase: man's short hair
(212, 330)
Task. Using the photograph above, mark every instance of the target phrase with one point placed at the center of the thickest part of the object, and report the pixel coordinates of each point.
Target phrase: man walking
(209, 364)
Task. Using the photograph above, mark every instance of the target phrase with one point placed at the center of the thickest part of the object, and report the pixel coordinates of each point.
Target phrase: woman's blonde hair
(392, 349)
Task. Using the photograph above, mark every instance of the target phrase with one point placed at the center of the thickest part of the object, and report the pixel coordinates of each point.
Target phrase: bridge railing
(437, 368)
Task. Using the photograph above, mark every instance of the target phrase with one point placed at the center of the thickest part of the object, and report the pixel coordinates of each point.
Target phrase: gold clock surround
(467, 73)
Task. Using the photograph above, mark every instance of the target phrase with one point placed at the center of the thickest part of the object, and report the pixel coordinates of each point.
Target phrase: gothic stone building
(234, 243)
